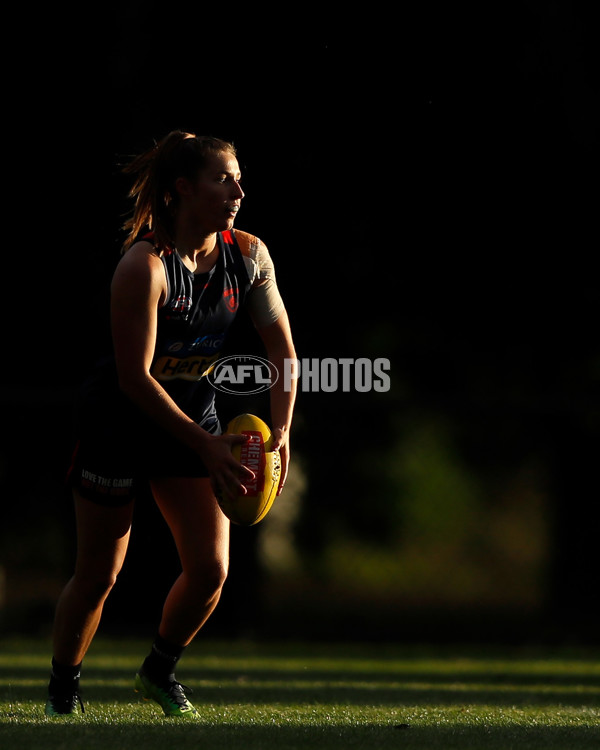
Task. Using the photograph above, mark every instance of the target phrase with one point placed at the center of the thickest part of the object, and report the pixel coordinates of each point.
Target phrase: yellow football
(257, 455)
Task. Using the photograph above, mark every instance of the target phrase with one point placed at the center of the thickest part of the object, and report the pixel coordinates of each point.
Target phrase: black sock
(160, 663)
(64, 677)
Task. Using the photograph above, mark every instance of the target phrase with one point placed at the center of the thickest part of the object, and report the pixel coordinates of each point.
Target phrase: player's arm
(268, 313)
(279, 345)
(138, 289)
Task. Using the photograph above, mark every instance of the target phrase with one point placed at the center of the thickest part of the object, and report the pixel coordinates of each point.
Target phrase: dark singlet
(192, 326)
(116, 440)
(193, 322)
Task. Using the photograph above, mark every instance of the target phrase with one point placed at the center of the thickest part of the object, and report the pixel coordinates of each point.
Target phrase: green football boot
(170, 696)
(64, 704)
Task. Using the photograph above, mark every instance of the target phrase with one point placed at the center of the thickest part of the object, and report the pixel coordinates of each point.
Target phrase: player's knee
(215, 575)
(210, 576)
(96, 586)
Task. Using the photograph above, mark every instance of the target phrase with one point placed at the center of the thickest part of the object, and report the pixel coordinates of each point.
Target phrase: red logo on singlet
(231, 299)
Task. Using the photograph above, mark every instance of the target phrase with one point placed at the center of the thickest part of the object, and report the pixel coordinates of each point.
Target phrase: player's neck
(198, 251)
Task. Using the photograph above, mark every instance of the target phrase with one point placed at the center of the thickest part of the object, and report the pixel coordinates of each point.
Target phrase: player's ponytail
(179, 154)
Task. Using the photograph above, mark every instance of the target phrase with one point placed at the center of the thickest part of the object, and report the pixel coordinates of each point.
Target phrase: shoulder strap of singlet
(147, 235)
(238, 244)
(243, 240)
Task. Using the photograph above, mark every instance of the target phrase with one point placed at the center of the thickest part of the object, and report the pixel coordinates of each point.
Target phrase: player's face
(215, 196)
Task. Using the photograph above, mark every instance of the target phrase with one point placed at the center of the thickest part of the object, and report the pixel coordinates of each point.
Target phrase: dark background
(426, 182)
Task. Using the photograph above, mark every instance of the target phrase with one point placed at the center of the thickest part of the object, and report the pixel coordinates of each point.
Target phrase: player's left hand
(281, 443)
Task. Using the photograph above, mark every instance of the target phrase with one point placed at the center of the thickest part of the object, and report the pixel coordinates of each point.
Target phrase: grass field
(288, 697)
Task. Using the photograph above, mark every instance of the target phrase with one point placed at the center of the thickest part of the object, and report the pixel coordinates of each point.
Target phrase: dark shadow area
(425, 188)
(339, 737)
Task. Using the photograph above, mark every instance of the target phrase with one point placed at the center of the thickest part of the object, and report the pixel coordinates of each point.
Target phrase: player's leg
(102, 539)
(201, 535)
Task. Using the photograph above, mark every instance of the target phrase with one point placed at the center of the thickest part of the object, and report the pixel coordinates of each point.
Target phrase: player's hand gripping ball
(256, 454)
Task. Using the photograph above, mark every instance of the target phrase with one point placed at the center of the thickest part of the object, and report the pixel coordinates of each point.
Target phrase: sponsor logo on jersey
(192, 367)
(206, 344)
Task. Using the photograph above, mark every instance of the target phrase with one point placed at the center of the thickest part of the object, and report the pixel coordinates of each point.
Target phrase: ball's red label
(252, 456)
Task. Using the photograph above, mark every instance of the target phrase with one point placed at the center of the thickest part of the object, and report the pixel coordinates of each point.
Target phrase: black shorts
(110, 466)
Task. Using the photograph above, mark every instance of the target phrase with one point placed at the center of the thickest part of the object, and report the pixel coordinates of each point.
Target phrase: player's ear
(183, 186)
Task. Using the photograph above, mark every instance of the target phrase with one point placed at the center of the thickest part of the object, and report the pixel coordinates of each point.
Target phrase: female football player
(147, 412)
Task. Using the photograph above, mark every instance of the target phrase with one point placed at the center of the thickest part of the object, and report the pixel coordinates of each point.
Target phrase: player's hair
(178, 154)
